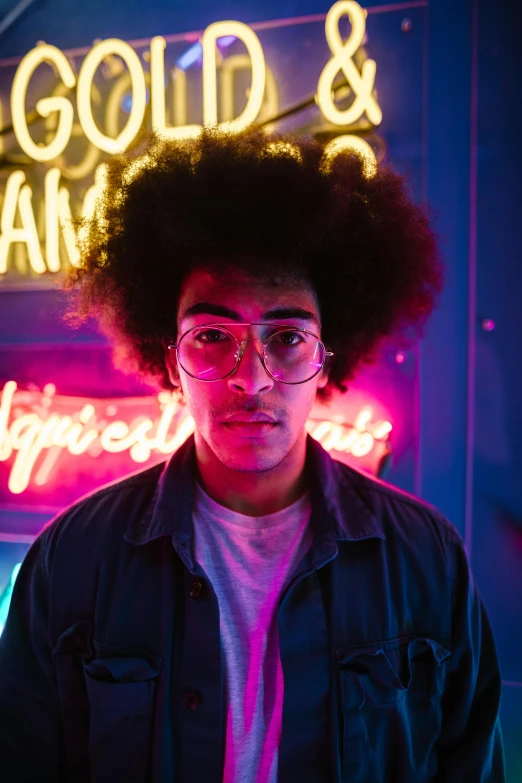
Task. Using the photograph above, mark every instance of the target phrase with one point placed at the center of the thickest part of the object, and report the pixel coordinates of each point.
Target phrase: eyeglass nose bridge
(241, 343)
(241, 350)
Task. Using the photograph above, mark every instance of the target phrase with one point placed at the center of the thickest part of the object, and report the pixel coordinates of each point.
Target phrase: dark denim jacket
(111, 663)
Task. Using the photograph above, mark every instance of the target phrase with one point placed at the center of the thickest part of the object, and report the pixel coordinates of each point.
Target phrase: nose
(250, 376)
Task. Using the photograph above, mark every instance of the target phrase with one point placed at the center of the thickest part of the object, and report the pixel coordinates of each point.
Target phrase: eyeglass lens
(291, 356)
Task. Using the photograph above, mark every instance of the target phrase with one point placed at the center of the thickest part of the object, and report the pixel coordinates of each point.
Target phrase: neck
(253, 494)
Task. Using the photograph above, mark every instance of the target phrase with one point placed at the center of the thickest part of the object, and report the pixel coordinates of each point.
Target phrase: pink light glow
(37, 427)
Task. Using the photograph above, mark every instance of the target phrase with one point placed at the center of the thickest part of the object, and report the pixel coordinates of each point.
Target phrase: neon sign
(36, 428)
(5, 597)
(19, 221)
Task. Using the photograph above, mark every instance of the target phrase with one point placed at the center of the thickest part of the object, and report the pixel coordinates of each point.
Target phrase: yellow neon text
(19, 196)
(135, 78)
(356, 144)
(89, 67)
(80, 170)
(53, 206)
(45, 106)
(19, 225)
(263, 87)
(257, 89)
(58, 214)
(157, 70)
(229, 67)
(362, 82)
(58, 220)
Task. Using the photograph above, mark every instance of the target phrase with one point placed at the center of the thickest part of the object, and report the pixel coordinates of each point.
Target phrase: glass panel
(293, 356)
(207, 353)
(11, 557)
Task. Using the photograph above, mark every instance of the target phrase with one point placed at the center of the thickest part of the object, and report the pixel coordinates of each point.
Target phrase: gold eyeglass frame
(240, 351)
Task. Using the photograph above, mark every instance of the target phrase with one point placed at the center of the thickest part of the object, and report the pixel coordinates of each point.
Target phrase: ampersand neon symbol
(361, 82)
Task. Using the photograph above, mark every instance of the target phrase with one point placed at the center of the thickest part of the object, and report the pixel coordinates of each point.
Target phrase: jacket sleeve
(30, 733)
(470, 746)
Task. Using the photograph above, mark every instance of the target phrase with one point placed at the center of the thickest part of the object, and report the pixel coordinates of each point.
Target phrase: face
(205, 299)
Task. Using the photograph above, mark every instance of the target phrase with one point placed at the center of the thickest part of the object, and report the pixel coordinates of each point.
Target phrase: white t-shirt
(249, 562)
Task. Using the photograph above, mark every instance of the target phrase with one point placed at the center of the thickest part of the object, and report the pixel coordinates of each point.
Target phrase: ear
(171, 361)
(325, 372)
(323, 378)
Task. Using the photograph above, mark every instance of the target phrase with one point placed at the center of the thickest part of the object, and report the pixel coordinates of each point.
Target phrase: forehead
(250, 297)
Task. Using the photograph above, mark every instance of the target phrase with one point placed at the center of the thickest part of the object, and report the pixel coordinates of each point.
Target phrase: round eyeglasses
(211, 353)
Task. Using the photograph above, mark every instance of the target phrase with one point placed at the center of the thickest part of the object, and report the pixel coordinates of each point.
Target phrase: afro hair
(264, 205)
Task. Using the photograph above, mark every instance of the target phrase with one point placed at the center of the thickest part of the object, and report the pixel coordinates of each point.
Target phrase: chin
(252, 467)
(248, 457)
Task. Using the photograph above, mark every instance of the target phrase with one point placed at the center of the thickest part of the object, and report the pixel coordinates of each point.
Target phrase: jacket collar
(340, 509)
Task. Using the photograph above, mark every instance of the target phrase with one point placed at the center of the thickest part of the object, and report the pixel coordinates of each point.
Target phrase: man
(252, 611)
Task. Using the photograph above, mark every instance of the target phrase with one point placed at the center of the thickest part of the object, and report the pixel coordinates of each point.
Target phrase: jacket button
(196, 589)
(191, 700)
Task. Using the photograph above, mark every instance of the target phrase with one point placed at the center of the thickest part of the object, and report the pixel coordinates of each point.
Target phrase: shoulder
(107, 509)
(397, 510)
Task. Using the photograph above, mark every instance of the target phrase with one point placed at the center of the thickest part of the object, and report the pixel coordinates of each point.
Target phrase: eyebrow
(275, 314)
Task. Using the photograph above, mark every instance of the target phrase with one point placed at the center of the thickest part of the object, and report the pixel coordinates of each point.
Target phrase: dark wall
(495, 529)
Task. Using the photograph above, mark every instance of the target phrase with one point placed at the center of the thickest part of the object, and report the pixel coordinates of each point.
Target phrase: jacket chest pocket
(390, 696)
(121, 689)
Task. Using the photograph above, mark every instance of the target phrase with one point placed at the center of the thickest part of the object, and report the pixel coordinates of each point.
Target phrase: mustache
(250, 407)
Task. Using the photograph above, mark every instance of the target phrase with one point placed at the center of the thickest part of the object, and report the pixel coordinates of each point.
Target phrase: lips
(253, 418)
(251, 429)
(251, 425)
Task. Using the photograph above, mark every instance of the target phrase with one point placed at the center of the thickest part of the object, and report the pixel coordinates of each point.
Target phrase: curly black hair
(265, 206)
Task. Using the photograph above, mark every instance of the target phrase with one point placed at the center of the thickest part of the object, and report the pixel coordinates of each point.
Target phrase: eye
(290, 338)
(211, 336)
